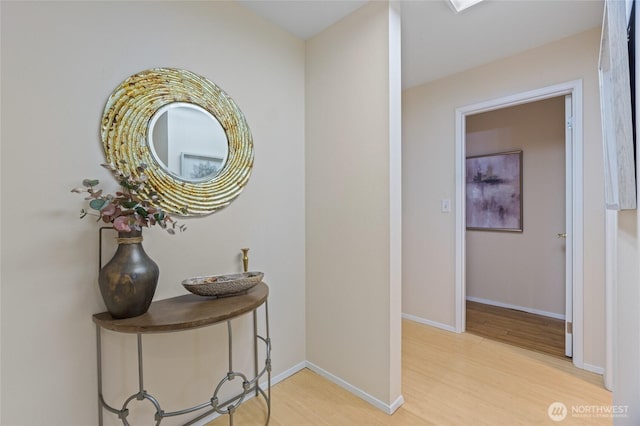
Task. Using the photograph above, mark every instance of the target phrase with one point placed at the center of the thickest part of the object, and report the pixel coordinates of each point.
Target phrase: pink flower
(109, 210)
(121, 224)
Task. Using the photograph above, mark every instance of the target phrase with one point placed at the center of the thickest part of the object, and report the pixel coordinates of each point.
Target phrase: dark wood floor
(522, 329)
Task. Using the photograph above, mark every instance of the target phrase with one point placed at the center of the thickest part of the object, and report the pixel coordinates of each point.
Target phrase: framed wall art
(494, 192)
(195, 166)
(617, 82)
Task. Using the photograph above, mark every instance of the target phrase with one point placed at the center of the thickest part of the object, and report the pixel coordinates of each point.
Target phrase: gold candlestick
(245, 259)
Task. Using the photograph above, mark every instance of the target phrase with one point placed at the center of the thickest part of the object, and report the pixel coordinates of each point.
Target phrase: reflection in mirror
(188, 142)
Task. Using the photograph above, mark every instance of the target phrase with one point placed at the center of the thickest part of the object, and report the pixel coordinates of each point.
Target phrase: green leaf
(90, 182)
(97, 204)
(129, 204)
(124, 182)
(141, 211)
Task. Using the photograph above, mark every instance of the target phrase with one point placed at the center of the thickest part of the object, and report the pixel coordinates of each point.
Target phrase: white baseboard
(396, 404)
(274, 380)
(387, 408)
(429, 322)
(518, 308)
(593, 368)
(288, 373)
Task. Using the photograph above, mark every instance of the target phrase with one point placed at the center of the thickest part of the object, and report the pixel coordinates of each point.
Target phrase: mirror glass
(188, 141)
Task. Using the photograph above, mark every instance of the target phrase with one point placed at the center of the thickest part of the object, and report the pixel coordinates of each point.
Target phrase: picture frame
(494, 192)
(194, 166)
(616, 74)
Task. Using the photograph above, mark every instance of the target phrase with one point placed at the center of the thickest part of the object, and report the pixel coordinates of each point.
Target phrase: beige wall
(353, 308)
(60, 62)
(523, 269)
(428, 157)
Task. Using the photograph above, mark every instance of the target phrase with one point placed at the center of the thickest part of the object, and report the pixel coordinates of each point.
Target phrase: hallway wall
(352, 204)
(60, 63)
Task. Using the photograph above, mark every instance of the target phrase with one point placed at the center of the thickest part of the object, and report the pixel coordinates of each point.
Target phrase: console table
(185, 313)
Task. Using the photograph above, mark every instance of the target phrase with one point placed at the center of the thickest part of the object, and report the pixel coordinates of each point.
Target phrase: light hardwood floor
(447, 379)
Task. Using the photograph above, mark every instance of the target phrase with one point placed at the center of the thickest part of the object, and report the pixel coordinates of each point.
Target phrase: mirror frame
(125, 127)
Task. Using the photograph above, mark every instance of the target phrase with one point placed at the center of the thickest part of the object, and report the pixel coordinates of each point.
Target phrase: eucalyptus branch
(128, 209)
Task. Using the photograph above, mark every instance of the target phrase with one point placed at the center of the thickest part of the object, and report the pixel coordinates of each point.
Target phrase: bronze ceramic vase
(128, 282)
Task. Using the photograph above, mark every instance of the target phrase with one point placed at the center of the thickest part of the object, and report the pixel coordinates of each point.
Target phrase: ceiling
(437, 42)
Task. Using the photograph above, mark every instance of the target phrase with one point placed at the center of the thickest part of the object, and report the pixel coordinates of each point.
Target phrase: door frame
(574, 230)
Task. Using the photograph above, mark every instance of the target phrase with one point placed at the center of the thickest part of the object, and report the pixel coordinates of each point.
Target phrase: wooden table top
(186, 312)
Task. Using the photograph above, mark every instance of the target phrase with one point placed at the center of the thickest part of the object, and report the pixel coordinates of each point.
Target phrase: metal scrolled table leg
(99, 356)
(255, 346)
(266, 315)
(230, 335)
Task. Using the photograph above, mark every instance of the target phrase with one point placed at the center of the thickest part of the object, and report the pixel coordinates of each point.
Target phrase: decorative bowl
(223, 285)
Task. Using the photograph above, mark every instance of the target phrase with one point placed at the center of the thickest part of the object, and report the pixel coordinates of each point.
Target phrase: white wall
(60, 62)
(353, 178)
(626, 352)
(523, 269)
(428, 175)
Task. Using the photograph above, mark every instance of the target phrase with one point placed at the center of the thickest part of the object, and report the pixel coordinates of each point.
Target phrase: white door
(567, 233)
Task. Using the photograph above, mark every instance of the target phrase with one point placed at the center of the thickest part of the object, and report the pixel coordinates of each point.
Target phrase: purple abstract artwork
(494, 192)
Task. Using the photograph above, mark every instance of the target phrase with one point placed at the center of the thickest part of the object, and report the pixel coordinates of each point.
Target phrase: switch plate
(445, 206)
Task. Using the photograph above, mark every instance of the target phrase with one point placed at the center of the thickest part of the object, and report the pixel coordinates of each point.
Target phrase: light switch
(445, 206)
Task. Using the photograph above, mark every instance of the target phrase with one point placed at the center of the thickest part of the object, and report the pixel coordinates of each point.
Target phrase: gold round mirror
(191, 135)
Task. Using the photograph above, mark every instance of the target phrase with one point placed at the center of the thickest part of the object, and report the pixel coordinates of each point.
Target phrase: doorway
(574, 213)
(515, 250)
